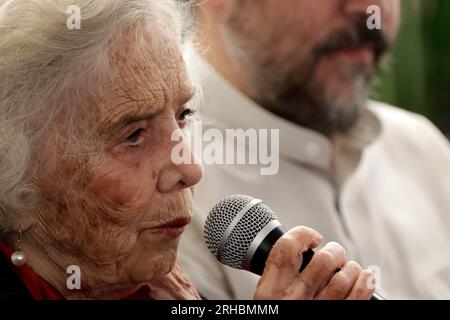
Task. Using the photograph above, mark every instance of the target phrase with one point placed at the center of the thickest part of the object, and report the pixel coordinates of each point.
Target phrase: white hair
(48, 70)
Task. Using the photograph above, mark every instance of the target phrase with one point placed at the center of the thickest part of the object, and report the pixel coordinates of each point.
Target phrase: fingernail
(317, 240)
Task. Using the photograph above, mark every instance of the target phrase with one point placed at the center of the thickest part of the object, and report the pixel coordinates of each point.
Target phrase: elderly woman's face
(121, 221)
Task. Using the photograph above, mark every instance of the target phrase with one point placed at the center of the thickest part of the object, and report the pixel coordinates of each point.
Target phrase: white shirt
(382, 191)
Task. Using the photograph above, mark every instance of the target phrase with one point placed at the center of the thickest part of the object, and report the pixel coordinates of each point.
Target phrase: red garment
(38, 287)
(41, 289)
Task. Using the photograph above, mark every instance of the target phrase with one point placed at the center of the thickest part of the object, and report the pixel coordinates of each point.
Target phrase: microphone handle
(260, 256)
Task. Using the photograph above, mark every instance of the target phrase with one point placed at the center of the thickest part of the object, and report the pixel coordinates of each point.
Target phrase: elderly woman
(91, 205)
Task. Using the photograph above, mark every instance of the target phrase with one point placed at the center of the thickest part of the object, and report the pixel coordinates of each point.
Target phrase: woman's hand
(173, 286)
(328, 276)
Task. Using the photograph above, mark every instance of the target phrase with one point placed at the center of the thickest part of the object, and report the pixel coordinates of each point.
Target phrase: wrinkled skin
(104, 220)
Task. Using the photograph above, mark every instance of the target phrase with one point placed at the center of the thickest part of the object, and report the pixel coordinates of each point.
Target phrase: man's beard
(294, 93)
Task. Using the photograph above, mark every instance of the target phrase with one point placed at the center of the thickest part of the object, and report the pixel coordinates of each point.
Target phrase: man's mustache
(356, 36)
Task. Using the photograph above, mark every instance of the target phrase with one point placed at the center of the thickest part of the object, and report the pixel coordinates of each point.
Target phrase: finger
(284, 261)
(341, 283)
(318, 272)
(364, 287)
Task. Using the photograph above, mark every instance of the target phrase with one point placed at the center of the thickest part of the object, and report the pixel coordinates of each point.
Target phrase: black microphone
(240, 231)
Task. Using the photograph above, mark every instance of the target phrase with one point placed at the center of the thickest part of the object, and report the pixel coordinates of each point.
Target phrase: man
(370, 176)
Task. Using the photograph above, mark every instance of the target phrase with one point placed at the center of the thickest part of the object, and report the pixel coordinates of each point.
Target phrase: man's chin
(341, 93)
(336, 112)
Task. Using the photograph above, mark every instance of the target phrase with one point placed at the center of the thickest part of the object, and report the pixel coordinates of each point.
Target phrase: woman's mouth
(175, 227)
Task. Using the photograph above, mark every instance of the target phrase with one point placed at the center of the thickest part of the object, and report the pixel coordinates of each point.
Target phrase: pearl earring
(18, 257)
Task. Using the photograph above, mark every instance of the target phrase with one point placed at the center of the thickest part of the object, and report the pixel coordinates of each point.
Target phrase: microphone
(240, 231)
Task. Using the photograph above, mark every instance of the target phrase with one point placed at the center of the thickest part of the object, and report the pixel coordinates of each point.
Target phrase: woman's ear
(26, 223)
(220, 9)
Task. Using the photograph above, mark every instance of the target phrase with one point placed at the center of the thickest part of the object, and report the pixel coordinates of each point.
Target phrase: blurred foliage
(418, 77)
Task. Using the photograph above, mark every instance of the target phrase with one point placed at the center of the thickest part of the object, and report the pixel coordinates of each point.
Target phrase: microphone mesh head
(242, 235)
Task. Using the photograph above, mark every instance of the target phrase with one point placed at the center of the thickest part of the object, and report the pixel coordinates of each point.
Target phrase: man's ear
(219, 9)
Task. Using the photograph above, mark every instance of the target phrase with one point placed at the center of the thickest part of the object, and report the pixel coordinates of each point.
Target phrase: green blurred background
(418, 77)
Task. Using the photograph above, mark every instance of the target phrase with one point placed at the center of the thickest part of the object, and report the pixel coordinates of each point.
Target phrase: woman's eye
(136, 138)
(186, 113)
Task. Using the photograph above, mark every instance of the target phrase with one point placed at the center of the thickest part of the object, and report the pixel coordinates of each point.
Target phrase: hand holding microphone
(242, 232)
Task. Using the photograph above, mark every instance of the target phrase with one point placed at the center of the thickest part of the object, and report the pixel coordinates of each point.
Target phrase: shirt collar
(225, 106)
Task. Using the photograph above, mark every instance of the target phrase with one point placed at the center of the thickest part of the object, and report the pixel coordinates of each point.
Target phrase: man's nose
(357, 8)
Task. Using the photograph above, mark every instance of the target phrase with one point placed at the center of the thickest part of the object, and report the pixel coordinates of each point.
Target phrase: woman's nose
(180, 174)
(190, 174)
